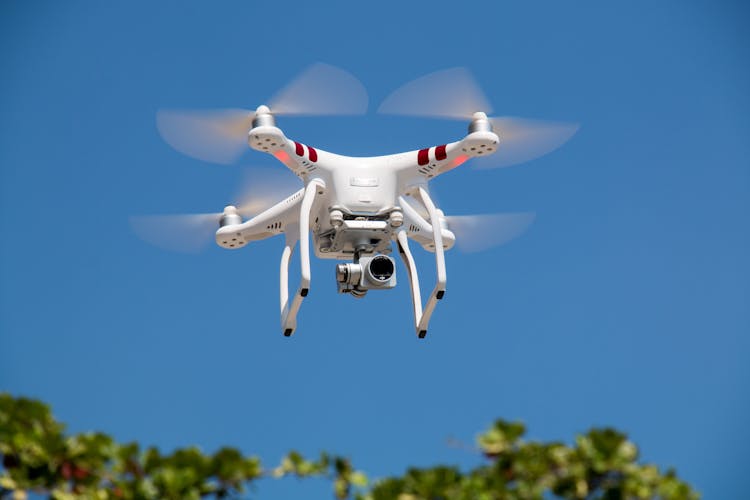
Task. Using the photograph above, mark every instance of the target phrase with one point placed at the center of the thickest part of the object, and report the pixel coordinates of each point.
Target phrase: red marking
(458, 160)
(313, 153)
(423, 157)
(282, 156)
(440, 153)
(299, 149)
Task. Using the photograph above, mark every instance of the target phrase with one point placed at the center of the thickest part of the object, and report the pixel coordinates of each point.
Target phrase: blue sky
(625, 304)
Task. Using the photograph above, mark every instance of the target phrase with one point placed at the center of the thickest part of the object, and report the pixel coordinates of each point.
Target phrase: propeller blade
(451, 93)
(263, 188)
(522, 140)
(180, 233)
(476, 233)
(218, 136)
(191, 233)
(322, 89)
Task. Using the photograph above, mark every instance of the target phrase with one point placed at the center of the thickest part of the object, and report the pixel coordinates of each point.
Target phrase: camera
(367, 273)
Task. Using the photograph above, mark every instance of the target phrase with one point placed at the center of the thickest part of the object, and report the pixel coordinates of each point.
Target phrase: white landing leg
(411, 268)
(288, 321)
(422, 316)
(297, 232)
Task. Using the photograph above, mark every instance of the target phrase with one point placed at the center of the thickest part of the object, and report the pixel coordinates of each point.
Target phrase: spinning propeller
(220, 136)
(191, 233)
(480, 232)
(454, 94)
(476, 233)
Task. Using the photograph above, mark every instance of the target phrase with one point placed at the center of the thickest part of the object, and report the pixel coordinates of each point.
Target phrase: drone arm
(430, 162)
(270, 222)
(301, 233)
(297, 157)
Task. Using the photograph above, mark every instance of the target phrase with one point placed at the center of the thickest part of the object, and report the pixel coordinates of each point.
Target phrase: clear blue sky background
(626, 304)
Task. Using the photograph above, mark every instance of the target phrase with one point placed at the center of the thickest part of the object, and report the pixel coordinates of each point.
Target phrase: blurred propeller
(476, 233)
(191, 233)
(522, 140)
(220, 136)
(322, 89)
(261, 188)
(450, 93)
(454, 94)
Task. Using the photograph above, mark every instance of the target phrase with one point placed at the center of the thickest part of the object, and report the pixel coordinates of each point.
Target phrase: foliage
(602, 465)
(37, 455)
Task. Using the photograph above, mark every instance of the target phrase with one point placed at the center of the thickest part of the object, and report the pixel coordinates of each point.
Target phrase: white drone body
(357, 208)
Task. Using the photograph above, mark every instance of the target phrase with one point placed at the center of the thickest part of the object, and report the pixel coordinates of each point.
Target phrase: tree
(37, 455)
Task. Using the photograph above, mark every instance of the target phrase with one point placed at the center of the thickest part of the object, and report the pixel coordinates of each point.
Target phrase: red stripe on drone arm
(423, 157)
(313, 154)
(299, 149)
(440, 153)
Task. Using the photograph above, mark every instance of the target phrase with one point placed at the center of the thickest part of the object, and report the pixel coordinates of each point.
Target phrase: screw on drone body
(397, 218)
(336, 217)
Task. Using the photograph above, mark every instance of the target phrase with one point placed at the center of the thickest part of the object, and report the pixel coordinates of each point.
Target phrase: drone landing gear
(295, 233)
(422, 316)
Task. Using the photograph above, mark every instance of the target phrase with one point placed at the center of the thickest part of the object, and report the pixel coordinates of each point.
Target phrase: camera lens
(381, 268)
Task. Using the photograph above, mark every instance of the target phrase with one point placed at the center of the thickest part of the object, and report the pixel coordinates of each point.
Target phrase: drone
(359, 209)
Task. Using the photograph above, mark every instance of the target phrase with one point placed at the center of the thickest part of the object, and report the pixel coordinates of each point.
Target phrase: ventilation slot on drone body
(293, 198)
(427, 170)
